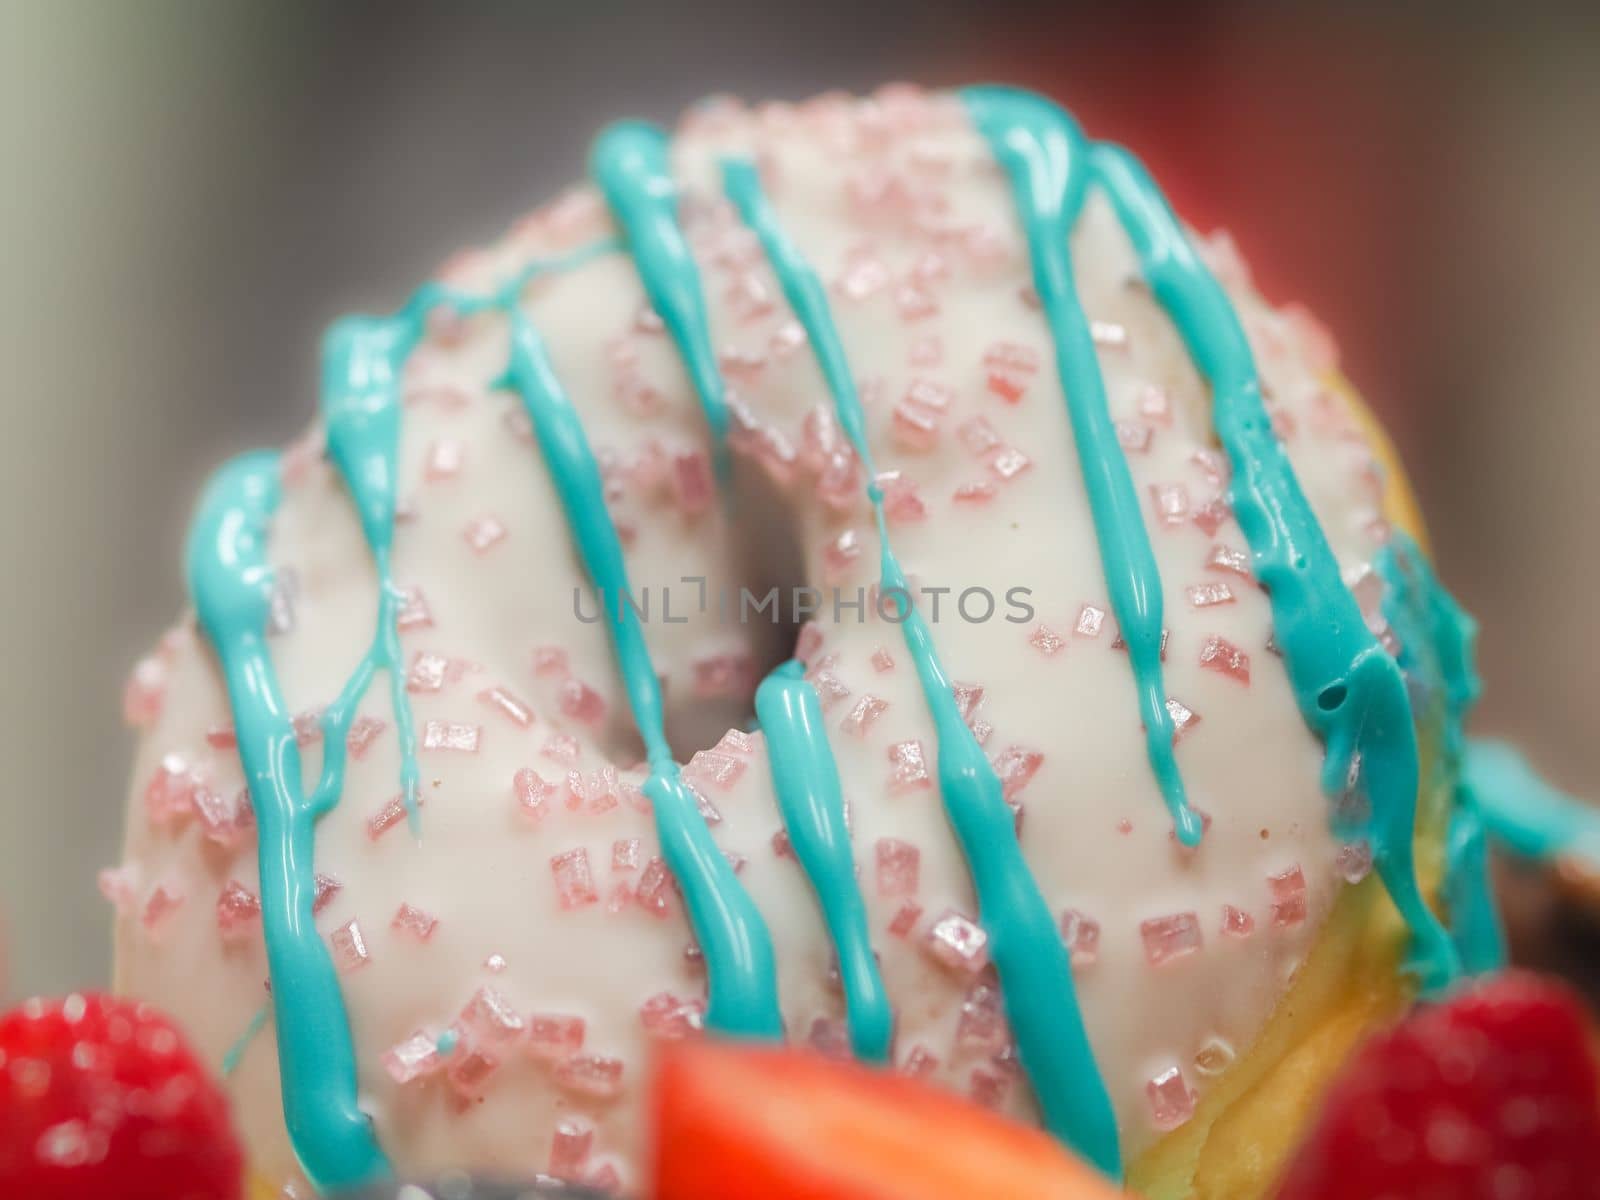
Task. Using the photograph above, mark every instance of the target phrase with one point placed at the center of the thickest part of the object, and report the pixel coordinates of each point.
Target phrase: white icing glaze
(483, 870)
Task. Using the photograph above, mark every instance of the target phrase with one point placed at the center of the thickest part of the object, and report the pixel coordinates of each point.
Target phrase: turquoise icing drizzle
(1524, 813)
(231, 584)
(362, 359)
(235, 1052)
(1047, 158)
(1436, 652)
(1348, 689)
(742, 984)
(1024, 945)
(806, 780)
(629, 161)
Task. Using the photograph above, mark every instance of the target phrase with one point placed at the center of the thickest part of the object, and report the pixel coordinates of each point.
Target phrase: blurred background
(193, 189)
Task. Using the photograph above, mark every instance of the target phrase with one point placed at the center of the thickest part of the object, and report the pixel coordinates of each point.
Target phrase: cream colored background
(191, 190)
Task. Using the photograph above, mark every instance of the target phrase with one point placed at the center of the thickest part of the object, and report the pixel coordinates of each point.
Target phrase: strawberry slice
(1494, 1095)
(746, 1123)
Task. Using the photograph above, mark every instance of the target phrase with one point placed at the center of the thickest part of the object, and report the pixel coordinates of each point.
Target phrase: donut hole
(766, 554)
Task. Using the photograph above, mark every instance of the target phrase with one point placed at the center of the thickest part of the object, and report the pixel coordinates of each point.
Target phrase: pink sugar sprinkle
(604, 789)
(862, 278)
(915, 429)
(1171, 502)
(982, 1024)
(956, 941)
(986, 1088)
(693, 485)
(1008, 369)
(450, 735)
(169, 795)
(787, 339)
(1082, 937)
(224, 820)
(782, 846)
(144, 692)
(492, 1016)
(902, 502)
(445, 457)
(117, 885)
(428, 672)
(238, 911)
(581, 702)
(1089, 622)
(1354, 861)
(1169, 937)
(1046, 640)
(920, 1063)
(532, 793)
(561, 748)
(1009, 462)
(978, 435)
(1134, 437)
(1288, 890)
(830, 1038)
(574, 883)
(1211, 516)
(1209, 594)
(495, 964)
(665, 1015)
(1220, 655)
(163, 901)
(655, 889)
(1183, 717)
(1109, 335)
(862, 715)
(349, 946)
(414, 922)
(750, 297)
(928, 397)
(307, 726)
(619, 897)
(1171, 1101)
(577, 791)
(839, 554)
(808, 642)
(570, 1146)
(222, 737)
(882, 661)
(554, 1036)
(899, 865)
(1211, 463)
(737, 741)
(1016, 766)
(415, 1058)
(707, 810)
(715, 768)
(1226, 558)
(905, 918)
(968, 696)
(1236, 922)
(625, 854)
(414, 612)
(927, 351)
(727, 675)
(915, 303)
(483, 533)
(829, 689)
(981, 492)
(514, 709)
(386, 818)
(362, 733)
(1154, 405)
(909, 767)
(549, 660)
(324, 889)
(592, 1075)
(469, 1070)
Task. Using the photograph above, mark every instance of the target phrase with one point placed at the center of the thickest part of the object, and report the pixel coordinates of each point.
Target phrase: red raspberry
(1495, 1094)
(102, 1099)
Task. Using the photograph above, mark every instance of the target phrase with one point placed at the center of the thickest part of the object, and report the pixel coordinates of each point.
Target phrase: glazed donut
(857, 572)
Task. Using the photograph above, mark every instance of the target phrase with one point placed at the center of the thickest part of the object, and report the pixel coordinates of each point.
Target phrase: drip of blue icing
(1047, 158)
(742, 975)
(1523, 812)
(231, 584)
(362, 360)
(806, 780)
(235, 1052)
(629, 162)
(1347, 688)
(1436, 644)
(1025, 947)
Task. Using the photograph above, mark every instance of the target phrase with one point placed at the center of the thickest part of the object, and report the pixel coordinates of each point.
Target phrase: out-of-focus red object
(746, 1123)
(102, 1099)
(1496, 1093)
